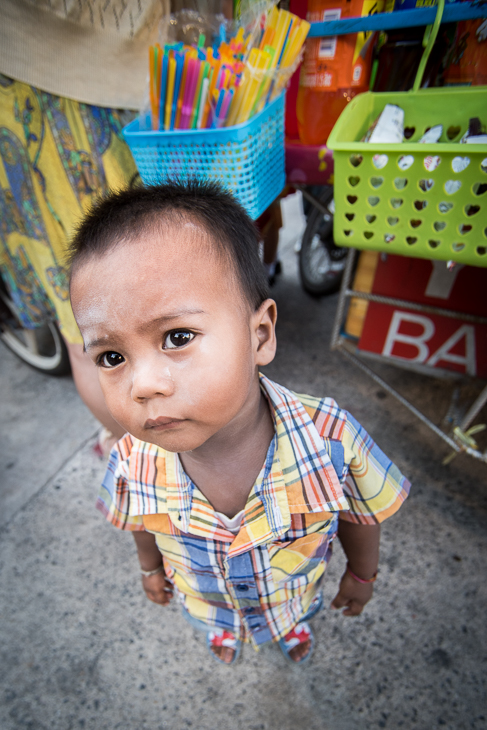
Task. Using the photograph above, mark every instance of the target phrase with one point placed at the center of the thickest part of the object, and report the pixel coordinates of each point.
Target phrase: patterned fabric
(321, 465)
(56, 157)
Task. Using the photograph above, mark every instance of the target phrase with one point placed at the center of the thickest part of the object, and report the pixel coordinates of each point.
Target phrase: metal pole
(347, 276)
(474, 409)
(313, 200)
(415, 306)
(452, 444)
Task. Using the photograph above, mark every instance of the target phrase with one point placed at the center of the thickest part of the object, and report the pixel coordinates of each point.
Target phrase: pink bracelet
(362, 580)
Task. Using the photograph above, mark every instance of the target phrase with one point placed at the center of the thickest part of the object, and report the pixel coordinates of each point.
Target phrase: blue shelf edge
(399, 19)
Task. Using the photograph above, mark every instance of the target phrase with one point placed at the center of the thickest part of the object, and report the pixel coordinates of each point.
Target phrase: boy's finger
(354, 609)
(339, 601)
(161, 598)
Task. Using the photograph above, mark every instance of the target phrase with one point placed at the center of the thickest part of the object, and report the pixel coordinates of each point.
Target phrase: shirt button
(242, 587)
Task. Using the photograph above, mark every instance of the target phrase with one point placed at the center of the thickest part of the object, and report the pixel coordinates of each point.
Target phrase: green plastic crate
(409, 212)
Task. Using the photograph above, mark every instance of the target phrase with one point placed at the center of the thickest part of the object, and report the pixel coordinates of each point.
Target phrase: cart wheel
(42, 348)
(321, 263)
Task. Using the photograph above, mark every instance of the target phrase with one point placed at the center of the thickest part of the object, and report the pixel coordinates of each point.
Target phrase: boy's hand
(157, 588)
(353, 595)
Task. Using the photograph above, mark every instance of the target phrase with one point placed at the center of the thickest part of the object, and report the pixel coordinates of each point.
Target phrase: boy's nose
(150, 380)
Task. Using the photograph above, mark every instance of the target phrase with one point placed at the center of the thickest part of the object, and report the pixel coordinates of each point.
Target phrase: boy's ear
(264, 332)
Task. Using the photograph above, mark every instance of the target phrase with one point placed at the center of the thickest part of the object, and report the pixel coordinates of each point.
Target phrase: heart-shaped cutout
(392, 221)
(353, 180)
(439, 225)
(420, 204)
(433, 244)
(472, 209)
(431, 162)
(415, 223)
(380, 161)
(411, 240)
(389, 237)
(376, 182)
(453, 186)
(350, 216)
(483, 165)
(408, 132)
(400, 183)
(459, 164)
(373, 200)
(464, 228)
(453, 132)
(405, 162)
(352, 199)
(481, 250)
(444, 207)
(370, 218)
(368, 234)
(348, 233)
(479, 188)
(426, 185)
(457, 247)
(396, 202)
(356, 160)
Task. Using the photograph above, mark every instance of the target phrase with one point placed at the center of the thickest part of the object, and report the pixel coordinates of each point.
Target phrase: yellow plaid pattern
(321, 465)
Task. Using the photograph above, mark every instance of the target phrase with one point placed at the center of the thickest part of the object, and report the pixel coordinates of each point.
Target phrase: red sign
(431, 340)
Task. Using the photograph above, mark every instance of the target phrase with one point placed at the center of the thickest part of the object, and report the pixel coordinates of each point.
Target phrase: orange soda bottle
(334, 69)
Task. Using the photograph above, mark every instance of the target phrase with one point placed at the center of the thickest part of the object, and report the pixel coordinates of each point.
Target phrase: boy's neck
(226, 466)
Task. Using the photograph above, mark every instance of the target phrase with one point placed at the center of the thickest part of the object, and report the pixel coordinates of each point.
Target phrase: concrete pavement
(83, 648)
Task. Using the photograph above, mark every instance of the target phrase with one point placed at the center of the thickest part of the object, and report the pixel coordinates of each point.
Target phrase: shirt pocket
(300, 559)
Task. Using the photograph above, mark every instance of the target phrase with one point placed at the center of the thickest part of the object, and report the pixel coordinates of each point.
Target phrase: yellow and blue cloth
(57, 156)
(320, 467)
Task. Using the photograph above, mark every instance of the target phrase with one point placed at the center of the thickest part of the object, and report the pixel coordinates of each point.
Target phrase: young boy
(233, 486)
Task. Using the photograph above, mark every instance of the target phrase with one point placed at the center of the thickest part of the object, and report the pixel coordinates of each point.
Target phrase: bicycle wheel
(42, 348)
(321, 263)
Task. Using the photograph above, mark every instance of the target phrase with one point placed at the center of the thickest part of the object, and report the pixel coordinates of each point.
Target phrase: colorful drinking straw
(162, 92)
(196, 88)
(171, 76)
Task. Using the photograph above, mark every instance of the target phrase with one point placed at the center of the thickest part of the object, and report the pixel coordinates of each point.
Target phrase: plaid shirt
(321, 465)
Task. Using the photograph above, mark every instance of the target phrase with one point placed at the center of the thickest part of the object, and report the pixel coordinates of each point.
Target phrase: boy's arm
(361, 546)
(156, 587)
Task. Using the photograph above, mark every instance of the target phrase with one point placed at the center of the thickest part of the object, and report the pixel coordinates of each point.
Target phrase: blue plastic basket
(247, 159)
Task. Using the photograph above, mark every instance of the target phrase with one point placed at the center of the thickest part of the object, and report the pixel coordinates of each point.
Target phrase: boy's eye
(111, 359)
(177, 338)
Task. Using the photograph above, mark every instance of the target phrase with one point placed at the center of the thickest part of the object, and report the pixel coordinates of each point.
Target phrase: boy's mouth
(160, 424)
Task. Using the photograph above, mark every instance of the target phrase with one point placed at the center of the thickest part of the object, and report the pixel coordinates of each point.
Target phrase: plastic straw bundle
(227, 84)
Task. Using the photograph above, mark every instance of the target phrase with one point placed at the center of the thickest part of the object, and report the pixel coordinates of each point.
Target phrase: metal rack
(461, 440)
(452, 13)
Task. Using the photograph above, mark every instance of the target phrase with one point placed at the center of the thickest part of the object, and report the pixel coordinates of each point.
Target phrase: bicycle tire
(321, 263)
(43, 347)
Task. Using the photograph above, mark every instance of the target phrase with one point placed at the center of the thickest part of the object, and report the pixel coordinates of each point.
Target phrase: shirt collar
(312, 484)
(297, 477)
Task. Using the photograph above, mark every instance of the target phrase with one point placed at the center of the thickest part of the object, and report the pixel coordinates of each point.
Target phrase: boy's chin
(173, 442)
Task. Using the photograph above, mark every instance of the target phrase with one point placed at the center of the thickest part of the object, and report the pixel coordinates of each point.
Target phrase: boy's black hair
(129, 214)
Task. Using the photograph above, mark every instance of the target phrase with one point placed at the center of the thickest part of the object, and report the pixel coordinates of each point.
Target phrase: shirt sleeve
(373, 486)
(114, 496)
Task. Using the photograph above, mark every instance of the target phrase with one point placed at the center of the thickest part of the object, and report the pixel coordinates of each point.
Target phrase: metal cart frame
(460, 440)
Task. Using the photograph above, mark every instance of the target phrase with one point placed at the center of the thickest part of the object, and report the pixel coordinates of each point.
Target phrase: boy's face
(175, 342)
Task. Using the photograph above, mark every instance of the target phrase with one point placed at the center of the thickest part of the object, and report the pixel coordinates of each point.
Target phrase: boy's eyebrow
(173, 315)
(157, 320)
